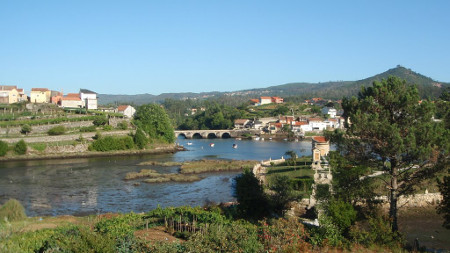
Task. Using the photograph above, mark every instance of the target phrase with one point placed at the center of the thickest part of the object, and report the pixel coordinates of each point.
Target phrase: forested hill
(428, 88)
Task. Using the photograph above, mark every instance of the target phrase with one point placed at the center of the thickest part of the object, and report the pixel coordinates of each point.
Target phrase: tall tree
(391, 131)
(153, 120)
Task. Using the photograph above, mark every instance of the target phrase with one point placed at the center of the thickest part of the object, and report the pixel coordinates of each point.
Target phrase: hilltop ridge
(428, 88)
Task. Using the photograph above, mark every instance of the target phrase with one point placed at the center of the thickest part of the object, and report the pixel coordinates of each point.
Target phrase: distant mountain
(329, 90)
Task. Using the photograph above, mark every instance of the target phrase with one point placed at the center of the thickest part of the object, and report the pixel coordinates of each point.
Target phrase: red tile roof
(240, 121)
(122, 108)
(71, 98)
(254, 100)
(320, 139)
(39, 89)
(314, 119)
(266, 98)
(73, 95)
(7, 87)
(301, 123)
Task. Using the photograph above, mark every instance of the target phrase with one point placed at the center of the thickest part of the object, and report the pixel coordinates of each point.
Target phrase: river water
(96, 185)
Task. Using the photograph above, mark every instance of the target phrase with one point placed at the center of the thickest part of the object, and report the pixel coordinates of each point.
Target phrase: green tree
(20, 148)
(140, 139)
(292, 158)
(392, 132)
(153, 120)
(250, 195)
(100, 121)
(57, 130)
(444, 206)
(25, 129)
(283, 193)
(3, 148)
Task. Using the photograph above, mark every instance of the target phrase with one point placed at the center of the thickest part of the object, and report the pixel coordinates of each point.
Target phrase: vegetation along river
(96, 185)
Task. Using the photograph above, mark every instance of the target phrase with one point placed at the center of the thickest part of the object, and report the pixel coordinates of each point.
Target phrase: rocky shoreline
(168, 148)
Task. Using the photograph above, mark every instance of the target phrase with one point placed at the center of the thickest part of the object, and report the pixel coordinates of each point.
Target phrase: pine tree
(391, 131)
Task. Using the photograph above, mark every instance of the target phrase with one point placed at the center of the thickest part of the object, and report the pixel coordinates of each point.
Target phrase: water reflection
(96, 185)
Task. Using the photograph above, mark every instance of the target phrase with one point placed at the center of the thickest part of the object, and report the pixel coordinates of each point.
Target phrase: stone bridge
(209, 134)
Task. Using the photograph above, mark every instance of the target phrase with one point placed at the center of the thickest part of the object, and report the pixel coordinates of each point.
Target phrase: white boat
(238, 138)
(256, 138)
(189, 143)
(211, 145)
(234, 145)
(262, 138)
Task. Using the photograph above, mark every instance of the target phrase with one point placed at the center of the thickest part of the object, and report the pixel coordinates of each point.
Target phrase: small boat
(256, 138)
(270, 138)
(262, 138)
(189, 143)
(234, 145)
(238, 138)
(211, 145)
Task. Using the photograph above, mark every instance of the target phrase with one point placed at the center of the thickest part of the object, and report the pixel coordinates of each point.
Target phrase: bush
(122, 125)
(57, 130)
(110, 143)
(20, 148)
(25, 129)
(140, 139)
(3, 148)
(378, 233)
(323, 192)
(107, 127)
(341, 213)
(281, 235)
(88, 129)
(282, 187)
(249, 192)
(100, 121)
(12, 210)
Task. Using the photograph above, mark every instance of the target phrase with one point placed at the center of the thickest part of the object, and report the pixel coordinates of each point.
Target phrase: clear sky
(134, 47)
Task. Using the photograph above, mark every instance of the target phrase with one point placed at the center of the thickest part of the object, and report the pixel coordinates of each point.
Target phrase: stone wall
(416, 200)
(113, 121)
(44, 128)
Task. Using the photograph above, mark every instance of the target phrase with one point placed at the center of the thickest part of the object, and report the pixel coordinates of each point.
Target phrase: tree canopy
(153, 120)
(391, 131)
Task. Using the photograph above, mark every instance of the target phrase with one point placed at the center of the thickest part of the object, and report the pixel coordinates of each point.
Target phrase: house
(4, 93)
(11, 94)
(317, 124)
(127, 110)
(286, 119)
(71, 100)
(265, 100)
(240, 123)
(40, 95)
(277, 100)
(330, 111)
(301, 126)
(89, 99)
(322, 144)
(255, 102)
(275, 127)
(56, 97)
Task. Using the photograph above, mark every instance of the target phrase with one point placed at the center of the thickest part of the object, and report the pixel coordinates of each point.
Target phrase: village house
(56, 97)
(71, 100)
(240, 123)
(301, 127)
(11, 94)
(322, 144)
(127, 110)
(317, 124)
(277, 100)
(89, 99)
(330, 111)
(40, 95)
(265, 100)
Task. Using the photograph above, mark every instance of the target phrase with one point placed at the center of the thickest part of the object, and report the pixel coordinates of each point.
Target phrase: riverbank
(158, 149)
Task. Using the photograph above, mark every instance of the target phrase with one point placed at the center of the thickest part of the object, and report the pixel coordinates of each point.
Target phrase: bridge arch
(197, 136)
(226, 135)
(211, 136)
(182, 135)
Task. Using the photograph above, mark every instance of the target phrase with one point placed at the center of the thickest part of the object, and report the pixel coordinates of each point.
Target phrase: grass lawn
(299, 172)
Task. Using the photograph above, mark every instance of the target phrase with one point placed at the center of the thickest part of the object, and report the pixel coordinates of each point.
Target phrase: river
(96, 185)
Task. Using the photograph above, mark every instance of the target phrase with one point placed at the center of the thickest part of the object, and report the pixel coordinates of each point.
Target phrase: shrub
(12, 210)
(281, 235)
(20, 148)
(3, 148)
(110, 143)
(38, 146)
(323, 192)
(107, 127)
(282, 187)
(378, 233)
(249, 192)
(88, 129)
(25, 129)
(122, 125)
(100, 121)
(140, 139)
(57, 130)
(341, 213)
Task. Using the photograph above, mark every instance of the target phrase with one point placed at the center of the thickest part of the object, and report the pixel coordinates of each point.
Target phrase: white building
(317, 124)
(89, 99)
(330, 111)
(127, 110)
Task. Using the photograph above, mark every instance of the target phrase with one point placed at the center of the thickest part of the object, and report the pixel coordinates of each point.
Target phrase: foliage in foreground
(3, 148)
(20, 148)
(109, 143)
(12, 210)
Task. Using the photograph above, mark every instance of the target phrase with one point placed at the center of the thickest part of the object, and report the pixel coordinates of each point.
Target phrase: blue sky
(134, 47)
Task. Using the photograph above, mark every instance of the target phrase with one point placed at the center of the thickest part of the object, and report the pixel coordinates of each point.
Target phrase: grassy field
(203, 166)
